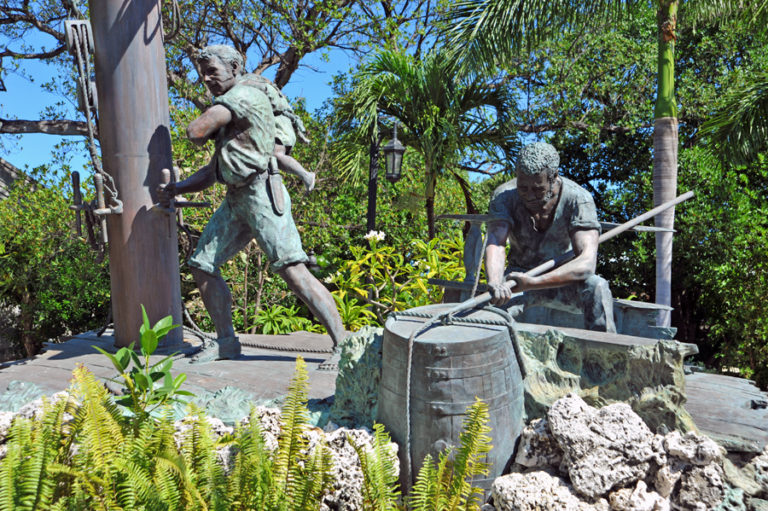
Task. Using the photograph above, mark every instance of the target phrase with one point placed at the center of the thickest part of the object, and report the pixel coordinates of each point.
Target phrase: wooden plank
(721, 406)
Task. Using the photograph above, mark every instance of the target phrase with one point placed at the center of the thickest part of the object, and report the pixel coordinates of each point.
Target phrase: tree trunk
(26, 321)
(665, 141)
(430, 202)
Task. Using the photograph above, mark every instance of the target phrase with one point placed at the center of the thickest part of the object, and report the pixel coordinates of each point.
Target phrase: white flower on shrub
(375, 235)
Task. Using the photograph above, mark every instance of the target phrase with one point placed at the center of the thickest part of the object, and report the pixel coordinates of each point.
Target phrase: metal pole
(136, 146)
(373, 175)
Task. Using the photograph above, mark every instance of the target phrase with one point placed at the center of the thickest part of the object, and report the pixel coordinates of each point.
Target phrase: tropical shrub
(149, 386)
(387, 280)
(53, 276)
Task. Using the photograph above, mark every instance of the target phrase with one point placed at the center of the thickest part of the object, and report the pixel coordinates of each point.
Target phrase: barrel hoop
(440, 373)
(447, 408)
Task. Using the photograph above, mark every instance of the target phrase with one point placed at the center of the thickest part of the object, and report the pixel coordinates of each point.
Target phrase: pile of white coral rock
(583, 459)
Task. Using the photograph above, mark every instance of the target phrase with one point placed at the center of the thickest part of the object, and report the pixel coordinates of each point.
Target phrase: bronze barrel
(451, 366)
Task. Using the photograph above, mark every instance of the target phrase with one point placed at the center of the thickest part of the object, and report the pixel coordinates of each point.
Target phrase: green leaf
(149, 342)
(145, 321)
(141, 381)
(181, 378)
(123, 357)
(111, 357)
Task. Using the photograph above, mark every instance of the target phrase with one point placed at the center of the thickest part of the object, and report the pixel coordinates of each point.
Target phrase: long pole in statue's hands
(484, 298)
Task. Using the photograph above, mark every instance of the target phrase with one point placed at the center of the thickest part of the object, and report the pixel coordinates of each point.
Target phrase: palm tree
(442, 112)
(493, 31)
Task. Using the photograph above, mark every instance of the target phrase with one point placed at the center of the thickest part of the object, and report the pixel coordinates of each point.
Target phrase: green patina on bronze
(357, 385)
(649, 377)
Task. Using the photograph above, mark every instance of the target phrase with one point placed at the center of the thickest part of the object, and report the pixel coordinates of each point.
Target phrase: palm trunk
(665, 141)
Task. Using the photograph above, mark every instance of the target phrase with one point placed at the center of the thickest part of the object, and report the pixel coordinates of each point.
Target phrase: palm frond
(495, 31)
(740, 128)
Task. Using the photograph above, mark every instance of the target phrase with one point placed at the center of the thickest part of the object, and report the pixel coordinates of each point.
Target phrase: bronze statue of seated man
(542, 215)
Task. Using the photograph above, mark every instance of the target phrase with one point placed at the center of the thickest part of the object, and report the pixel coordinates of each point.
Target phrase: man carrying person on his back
(257, 205)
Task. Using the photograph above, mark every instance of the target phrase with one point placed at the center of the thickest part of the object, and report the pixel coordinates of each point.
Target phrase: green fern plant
(83, 453)
(300, 479)
(447, 486)
(31, 447)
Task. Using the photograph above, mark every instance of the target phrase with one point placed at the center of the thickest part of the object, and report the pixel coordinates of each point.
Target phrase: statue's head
(536, 169)
(537, 158)
(220, 65)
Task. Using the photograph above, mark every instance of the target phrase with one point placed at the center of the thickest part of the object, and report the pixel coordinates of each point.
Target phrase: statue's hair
(537, 158)
(226, 54)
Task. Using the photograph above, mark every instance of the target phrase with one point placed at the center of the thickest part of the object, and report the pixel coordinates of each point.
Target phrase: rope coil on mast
(80, 44)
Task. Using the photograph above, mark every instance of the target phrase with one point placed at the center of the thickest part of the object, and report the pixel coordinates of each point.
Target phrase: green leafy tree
(444, 113)
(498, 29)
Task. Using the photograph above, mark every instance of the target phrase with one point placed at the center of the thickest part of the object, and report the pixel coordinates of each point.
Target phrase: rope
(447, 319)
(175, 16)
(205, 336)
(80, 45)
(479, 266)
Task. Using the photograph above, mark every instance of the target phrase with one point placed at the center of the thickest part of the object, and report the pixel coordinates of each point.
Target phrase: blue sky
(26, 100)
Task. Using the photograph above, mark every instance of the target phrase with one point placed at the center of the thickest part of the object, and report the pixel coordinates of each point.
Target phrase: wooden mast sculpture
(136, 147)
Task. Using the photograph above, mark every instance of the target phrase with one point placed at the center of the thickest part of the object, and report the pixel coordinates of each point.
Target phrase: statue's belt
(255, 176)
(274, 185)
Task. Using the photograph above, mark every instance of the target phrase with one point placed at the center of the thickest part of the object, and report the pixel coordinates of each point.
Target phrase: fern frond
(98, 424)
(380, 486)
(423, 496)
(251, 475)
(294, 421)
(474, 445)
(199, 454)
(18, 444)
(310, 480)
(135, 487)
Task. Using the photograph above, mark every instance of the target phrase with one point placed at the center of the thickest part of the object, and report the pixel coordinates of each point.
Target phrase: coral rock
(692, 448)
(637, 499)
(603, 449)
(538, 448)
(701, 488)
(538, 490)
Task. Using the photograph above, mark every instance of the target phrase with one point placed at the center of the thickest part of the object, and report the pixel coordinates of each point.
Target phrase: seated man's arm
(495, 257)
(577, 269)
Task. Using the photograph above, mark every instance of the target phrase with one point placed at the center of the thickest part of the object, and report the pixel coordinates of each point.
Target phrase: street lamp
(393, 153)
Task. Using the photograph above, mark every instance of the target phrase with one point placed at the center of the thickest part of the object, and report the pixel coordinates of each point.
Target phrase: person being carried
(288, 128)
(256, 205)
(543, 215)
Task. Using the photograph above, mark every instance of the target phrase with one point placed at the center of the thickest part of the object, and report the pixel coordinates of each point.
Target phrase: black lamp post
(393, 153)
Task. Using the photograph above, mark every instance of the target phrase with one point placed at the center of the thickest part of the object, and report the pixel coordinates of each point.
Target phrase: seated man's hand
(500, 294)
(524, 282)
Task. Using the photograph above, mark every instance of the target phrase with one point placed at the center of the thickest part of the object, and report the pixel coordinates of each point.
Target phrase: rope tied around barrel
(447, 320)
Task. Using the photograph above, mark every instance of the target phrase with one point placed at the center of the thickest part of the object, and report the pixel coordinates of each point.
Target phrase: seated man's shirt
(528, 247)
